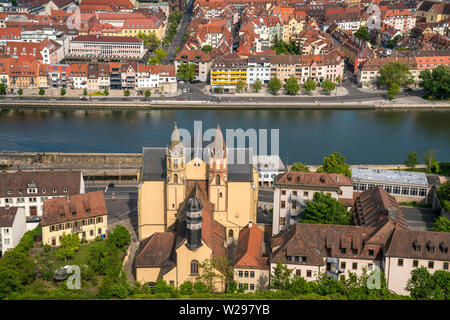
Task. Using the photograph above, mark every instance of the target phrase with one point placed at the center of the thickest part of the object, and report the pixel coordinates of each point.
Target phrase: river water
(362, 136)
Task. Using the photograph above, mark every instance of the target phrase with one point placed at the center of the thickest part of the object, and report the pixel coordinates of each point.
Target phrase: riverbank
(167, 104)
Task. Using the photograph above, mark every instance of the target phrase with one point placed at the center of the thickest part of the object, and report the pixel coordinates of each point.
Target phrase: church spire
(218, 146)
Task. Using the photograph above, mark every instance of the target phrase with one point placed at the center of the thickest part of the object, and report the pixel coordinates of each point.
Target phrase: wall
(151, 209)
(260, 280)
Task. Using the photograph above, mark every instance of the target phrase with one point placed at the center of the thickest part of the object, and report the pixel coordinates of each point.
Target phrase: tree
(218, 89)
(328, 85)
(207, 48)
(292, 86)
(280, 279)
(443, 194)
(208, 274)
(187, 288)
(20, 91)
(69, 244)
(430, 160)
(159, 55)
(395, 72)
(126, 93)
(420, 285)
(63, 92)
(412, 160)
(119, 236)
(18, 260)
(240, 86)
(298, 166)
(106, 92)
(147, 93)
(335, 163)
(362, 33)
(394, 89)
(85, 92)
(2, 88)
(325, 209)
(274, 85)
(114, 284)
(102, 256)
(225, 267)
(436, 82)
(186, 71)
(441, 224)
(257, 85)
(41, 91)
(310, 85)
(9, 282)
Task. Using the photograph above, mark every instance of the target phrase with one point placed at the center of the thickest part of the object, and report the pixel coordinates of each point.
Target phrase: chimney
(338, 178)
(250, 224)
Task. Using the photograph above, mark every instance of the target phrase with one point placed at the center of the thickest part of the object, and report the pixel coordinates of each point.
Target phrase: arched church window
(194, 267)
(230, 233)
(175, 178)
(217, 180)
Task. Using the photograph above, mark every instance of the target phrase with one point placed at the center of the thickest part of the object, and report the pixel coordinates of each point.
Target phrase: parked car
(83, 98)
(111, 185)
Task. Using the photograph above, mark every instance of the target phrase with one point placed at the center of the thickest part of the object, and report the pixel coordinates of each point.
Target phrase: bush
(187, 288)
(200, 287)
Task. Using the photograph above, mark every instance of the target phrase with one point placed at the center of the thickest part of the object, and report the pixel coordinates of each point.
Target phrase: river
(362, 136)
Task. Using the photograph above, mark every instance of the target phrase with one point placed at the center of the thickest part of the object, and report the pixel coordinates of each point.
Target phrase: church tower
(176, 176)
(218, 172)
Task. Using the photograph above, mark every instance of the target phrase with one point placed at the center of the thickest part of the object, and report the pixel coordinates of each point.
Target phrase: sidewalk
(341, 91)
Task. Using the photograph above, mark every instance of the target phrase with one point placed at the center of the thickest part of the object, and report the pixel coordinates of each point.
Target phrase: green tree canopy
(126, 93)
(147, 93)
(394, 90)
(106, 92)
(119, 236)
(2, 88)
(240, 86)
(292, 86)
(436, 83)
(335, 163)
(412, 160)
(208, 274)
(310, 84)
(441, 224)
(275, 85)
(41, 92)
(395, 72)
(69, 244)
(298, 166)
(186, 71)
(280, 279)
(257, 85)
(326, 210)
(85, 92)
(207, 48)
(430, 160)
(362, 33)
(328, 85)
(63, 92)
(423, 285)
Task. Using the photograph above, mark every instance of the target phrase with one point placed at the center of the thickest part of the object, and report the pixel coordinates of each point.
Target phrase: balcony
(77, 230)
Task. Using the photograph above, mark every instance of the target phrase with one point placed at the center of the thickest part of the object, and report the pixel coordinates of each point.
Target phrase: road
(420, 218)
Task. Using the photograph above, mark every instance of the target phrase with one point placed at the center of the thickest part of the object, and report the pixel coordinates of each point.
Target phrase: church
(192, 204)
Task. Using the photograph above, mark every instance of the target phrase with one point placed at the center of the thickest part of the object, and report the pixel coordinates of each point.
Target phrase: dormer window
(65, 189)
(74, 213)
(54, 190)
(44, 190)
(19, 191)
(370, 252)
(9, 191)
(355, 251)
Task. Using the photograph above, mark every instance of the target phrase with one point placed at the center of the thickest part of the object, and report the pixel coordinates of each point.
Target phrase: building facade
(13, 225)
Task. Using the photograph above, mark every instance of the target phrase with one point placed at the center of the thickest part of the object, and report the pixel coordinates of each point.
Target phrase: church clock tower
(218, 172)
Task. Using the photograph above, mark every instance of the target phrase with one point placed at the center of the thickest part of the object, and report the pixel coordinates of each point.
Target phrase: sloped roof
(248, 254)
(7, 216)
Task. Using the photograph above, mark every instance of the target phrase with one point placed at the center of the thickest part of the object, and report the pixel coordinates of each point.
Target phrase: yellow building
(84, 214)
(190, 208)
(151, 25)
(227, 71)
(433, 11)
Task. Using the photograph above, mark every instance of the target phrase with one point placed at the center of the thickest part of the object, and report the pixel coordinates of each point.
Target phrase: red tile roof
(7, 216)
(248, 254)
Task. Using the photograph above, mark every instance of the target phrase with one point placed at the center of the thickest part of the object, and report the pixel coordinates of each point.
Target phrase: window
(396, 190)
(65, 189)
(6, 240)
(99, 219)
(171, 282)
(445, 266)
(194, 267)
(240, 285)
(354, 266)
(298, 272)
(370, 266)
(252, 286)
(355, 251)
(252, 274)
(175, 178)
(400, 262)
(230, 233)
(241, 274)
(91, 233)
(388, 189)
(405, 191)
(370, 252)
(289, 258)
(430, 264)
(343, 265)
(99, 230)
(217, 180)
(246, 274)
(283, 192)
(415, 263)
(344, 250)
(308, 273)
(54, 190)
(283, 204)
(282, 221)
(422, 192)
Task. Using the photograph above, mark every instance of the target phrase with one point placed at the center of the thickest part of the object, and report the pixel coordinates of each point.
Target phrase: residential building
(160, 77)
(293, 189)
(268, 167)
(258, 67)
(58, 75)
(29, 189)
(227, 71)
(78, 76)
(404, 186)
(13, 225)
(373, 205)
(202, 62)
(399, 19)
(83, 214)
(251, 268)
(434, 11)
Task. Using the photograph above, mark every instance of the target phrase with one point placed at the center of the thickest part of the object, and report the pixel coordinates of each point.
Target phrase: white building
(268, 168)
(29, 189)
(258, 68)
(405, 186)
(293, 189)
(13, 225)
